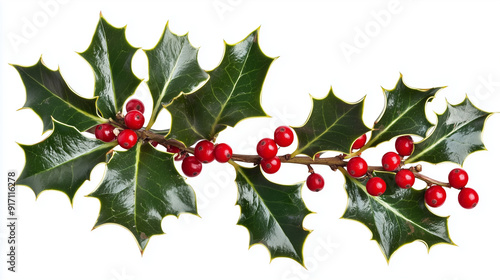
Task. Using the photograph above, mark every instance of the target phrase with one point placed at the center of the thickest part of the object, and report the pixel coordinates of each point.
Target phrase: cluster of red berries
(435, 195)
(267, 149)
(204, 152)
(134, 120)
(468, 198)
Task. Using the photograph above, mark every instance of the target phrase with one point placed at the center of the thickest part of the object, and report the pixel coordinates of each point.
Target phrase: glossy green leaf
(333, 125)
(140, 187)
(50, 97)
(63, 161)
(110, 56)
(161, 131)
(230, 95)
(456, 135)
(272, 213)
(397, 217)
(404, 114)
(173, 68)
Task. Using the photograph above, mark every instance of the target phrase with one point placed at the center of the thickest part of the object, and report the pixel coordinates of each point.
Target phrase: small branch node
(418, 168)
(310, 169)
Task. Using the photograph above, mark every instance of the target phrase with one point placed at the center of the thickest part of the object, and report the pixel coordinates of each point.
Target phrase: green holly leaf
(404, 114)
(173, 68)
(397, 217)
(63, 161)
(332, 125)
(456, 135)
(110, 56)
(230, 95)
(140, 187)
(161, 131)
(50, 97)
(272, 213)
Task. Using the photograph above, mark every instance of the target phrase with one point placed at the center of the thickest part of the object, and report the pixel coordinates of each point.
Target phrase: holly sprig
(141, 184)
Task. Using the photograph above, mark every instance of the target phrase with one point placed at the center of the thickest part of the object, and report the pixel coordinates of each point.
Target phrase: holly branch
(141, 184)
(333, 162)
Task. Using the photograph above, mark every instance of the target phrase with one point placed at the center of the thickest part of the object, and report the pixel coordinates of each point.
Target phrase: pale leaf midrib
(446, 136)
(389, 207)
(136, 183)
(268, 210)
(109, 65)
(60, 98)
(309, 143)
(223, 106)
(97, 148)
(391, 123)
(165, 87)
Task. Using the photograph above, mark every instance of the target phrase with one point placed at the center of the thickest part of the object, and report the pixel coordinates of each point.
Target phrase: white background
(356, 47)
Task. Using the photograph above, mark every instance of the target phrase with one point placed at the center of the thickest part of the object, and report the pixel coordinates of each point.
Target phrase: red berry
(391, 161)
(127, 138)
(267, 149)
(154, 143)
(173, 149)
(405, 178)
(283, 136)
(204, 151)
(357, 167)
(270, 165)
(315, 182)
(134, 120)
(468, 198)
(223, 152)
(376, 186)
(135, 104)
(360, 142)
(404, 145)
(180, 156)
(191, 166)
(458, 178)
(104, 132)
(435, 196)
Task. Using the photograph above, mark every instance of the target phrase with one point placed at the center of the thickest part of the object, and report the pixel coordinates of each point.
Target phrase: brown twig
(335, 162)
